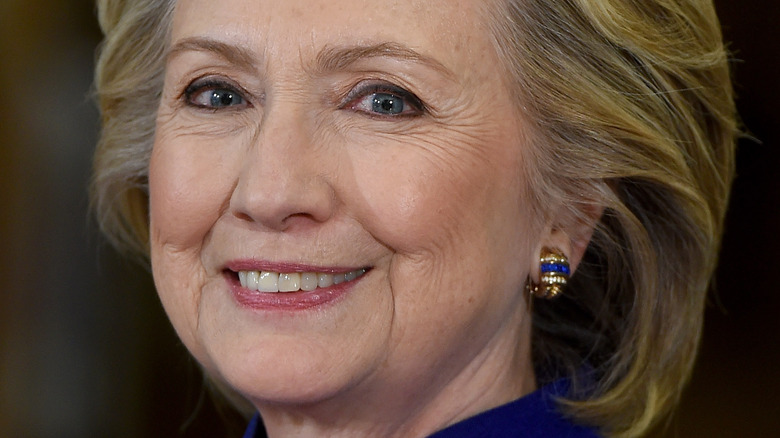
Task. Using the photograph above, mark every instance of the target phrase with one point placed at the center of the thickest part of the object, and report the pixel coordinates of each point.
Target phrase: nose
(282, 183)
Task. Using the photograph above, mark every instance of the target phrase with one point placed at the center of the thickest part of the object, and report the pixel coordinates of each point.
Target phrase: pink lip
(260, 265)
(285, 301)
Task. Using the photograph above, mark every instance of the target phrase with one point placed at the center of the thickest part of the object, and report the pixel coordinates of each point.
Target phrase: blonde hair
(129, 81)
(631, 109)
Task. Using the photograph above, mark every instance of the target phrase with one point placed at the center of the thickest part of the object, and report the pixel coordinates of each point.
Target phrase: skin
(302, 170)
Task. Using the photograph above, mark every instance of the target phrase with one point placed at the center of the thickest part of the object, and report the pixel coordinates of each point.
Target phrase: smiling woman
(308, 146)
(344, 226)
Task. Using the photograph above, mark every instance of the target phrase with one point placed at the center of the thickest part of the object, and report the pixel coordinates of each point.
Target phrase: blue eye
(384, 103)
(384, 100)
(220, 98)
(213, 95)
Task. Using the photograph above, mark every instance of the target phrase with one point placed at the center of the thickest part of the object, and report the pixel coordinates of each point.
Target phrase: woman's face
(370, 146)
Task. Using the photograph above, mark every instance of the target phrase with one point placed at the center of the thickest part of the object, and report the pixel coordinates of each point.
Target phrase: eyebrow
(340, 58)
(329, 59)
(233, 54)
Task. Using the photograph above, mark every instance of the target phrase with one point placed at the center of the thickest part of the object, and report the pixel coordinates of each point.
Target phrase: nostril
(242, 216)
(301, 216)
(300, 221)
(277, 200)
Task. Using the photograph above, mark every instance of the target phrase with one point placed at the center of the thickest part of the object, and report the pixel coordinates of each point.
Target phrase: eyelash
(366, 89)
(393, 96)
(199, 86)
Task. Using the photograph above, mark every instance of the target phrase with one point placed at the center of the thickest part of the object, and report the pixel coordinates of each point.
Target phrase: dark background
(86, 351)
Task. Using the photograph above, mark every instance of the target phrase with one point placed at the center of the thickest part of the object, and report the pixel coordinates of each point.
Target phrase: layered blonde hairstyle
(631, 111)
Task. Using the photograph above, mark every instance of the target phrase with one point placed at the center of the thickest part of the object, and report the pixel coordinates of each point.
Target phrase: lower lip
(288, 301)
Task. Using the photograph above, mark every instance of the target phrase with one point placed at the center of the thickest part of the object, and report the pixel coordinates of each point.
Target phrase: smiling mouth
(274, 282)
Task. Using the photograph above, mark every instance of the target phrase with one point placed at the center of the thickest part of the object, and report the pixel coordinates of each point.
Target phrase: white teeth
(252, 278)
(289, 282)
(324, 280)
(308, 281)
(267, 281)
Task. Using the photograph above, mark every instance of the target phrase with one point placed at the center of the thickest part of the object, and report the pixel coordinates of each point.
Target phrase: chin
(278, 373)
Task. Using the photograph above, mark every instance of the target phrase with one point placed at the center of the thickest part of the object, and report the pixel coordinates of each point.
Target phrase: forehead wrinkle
(236, 55)
(331, 59)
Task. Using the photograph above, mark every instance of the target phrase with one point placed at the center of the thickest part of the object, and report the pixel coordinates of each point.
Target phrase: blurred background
(86, 350)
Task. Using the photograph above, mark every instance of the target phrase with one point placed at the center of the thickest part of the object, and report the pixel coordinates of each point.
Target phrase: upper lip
(286, 267)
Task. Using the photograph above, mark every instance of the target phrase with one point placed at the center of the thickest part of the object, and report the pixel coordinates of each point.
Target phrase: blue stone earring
(554, 267)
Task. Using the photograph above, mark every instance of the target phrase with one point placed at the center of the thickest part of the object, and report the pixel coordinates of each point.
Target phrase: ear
(568, 235)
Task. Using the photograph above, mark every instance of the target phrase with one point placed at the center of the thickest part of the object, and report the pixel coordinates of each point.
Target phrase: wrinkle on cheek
(179, 278)
(190, 122)
(441, 200)
(441, 180)
(468, 161)
(420, 306)
(192, 176)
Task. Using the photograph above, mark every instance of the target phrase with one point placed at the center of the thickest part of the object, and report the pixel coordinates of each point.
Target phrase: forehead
(454, 33)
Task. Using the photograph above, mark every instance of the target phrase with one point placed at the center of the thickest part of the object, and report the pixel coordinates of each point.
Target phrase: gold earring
(555, 271)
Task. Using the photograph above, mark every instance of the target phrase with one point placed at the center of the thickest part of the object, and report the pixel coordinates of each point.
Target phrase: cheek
(187, 191)
(188, 188)
(451, 191)
(453, 212)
